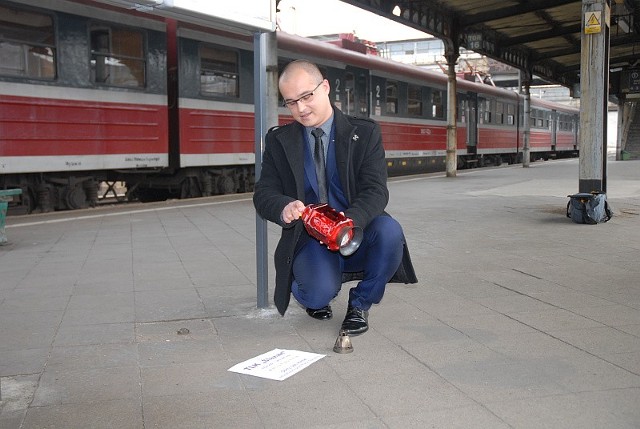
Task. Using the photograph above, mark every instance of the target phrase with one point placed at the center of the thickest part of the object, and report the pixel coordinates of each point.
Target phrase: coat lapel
(345, 133)
(293, 145)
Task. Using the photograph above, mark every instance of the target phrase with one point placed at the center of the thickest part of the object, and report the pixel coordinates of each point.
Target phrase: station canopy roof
(542, 37)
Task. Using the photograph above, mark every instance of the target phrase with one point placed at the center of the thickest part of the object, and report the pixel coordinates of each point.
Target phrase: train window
(27, 44)
(117, 56)
(461, 113)
(511, 114)
(535, 121)
(499, 113)
(349, 88)
(218, 71)
(392, 97)
(414, 101)
(485, 111)
(437, 104)
(361, 95)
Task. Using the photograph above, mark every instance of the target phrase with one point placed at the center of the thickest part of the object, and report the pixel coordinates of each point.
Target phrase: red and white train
(91, 93)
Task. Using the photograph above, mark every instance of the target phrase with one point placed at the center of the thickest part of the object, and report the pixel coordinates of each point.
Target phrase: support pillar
(594, 86)
(620, 137)
(526, 119)
(451, 162)
(626, 112)
(266, 116)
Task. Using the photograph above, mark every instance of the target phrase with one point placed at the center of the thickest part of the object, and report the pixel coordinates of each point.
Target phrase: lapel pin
(355, 138)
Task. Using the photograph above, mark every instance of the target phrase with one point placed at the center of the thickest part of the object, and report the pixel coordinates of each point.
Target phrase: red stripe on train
(36, 127)
(215, 131)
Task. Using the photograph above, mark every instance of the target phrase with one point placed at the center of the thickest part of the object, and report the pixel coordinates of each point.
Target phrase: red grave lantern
(332, 228)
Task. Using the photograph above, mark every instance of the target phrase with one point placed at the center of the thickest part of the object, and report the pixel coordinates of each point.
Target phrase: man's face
(306, 98)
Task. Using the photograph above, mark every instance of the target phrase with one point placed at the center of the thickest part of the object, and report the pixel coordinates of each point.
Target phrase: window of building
(27, 44)
(391, 105)
(219, 72)
(414, 100)
(117, 56)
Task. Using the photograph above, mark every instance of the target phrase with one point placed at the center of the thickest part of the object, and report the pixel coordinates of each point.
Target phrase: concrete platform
(521, 319)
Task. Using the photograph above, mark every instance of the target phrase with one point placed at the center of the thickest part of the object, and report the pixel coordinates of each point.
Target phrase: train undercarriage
(47, 192)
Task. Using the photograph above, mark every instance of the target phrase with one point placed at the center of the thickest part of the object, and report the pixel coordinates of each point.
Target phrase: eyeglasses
(306, 97)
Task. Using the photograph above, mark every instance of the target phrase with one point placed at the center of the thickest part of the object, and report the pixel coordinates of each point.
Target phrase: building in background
(350, 27)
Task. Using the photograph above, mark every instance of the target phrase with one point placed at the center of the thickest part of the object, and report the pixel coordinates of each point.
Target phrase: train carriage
(493, 133)
(215, 124)
(82, 95)
(91, 93)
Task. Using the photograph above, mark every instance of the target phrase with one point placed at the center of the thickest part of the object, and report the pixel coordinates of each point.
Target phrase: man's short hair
(310, 68)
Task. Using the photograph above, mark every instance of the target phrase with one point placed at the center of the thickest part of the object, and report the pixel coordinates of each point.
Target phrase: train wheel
(28, 201)
(46, 197)
(190, 188)
(246, 179)
(74, 198)
(91, 190)
(226, 185)
(207, 184)
(461, 163)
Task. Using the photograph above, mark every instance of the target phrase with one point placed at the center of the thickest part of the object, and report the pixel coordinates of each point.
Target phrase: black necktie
(318, 160)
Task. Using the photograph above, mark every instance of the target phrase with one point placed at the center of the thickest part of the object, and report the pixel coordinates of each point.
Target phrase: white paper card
(277, 364)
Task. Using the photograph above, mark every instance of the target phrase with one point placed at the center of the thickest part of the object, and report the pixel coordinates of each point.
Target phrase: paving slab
(130, 316)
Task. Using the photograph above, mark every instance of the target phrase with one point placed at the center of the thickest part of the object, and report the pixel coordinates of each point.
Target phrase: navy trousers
(317, 271)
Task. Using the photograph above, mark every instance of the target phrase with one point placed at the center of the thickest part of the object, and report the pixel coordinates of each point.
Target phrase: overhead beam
(441, 20)
(541, 35)
(512, 11)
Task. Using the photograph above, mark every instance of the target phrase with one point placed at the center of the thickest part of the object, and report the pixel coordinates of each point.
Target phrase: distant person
(356, 184)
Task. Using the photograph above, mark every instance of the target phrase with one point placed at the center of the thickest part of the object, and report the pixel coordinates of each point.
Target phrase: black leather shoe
(324, 313)
(355, 322)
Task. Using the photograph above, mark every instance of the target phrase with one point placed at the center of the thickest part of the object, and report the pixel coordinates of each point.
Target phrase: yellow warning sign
(592, 23)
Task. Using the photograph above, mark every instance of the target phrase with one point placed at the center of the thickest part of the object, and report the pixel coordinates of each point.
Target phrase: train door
(355, 85)
(472, 122)
(555, 117)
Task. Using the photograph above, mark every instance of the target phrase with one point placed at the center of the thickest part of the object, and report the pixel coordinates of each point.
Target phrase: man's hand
(292, 211)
